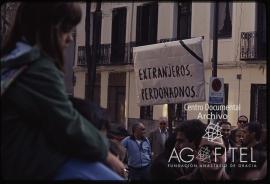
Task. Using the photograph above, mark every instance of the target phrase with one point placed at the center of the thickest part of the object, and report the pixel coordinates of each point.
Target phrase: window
(258, 103)
(176, 112)
(146, 29)
(225, 20)
(146, 112)
(146, 33)
(184, 21)
(116, 97)
(81, 56)
(261, 30)
(90, 27)
(118, 35)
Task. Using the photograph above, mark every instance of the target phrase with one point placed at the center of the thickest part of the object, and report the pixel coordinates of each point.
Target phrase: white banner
(170, 72)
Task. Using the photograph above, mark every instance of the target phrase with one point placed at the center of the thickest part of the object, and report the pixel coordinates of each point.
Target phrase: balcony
(118, 58)
(105, 56)
(252, 46)
(81, 56)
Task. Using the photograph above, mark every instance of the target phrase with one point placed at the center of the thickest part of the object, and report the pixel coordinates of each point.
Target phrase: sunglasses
(242, 122)
(162, 123)
(220, 150)
(239, 136)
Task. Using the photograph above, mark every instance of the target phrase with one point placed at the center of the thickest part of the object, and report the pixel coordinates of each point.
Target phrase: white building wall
(79, 72)
(132, 108)
(229, 64)
(200, 26)
(79, 88)
(80, 32)
(165, 20)
(104, 84)
(106, 24)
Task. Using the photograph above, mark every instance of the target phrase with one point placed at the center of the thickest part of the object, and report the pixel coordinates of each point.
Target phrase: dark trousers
(139, 173)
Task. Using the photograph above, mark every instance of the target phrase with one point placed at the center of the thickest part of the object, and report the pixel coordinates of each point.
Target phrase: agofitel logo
(212, 134)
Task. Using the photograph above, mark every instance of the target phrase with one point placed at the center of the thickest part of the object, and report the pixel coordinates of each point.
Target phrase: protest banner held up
(170, 72)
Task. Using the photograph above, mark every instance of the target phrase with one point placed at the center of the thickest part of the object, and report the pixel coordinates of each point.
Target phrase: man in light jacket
(158, 137)
(138, 153)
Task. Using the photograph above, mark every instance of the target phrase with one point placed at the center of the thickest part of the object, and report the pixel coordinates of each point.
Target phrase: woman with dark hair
(43, 136)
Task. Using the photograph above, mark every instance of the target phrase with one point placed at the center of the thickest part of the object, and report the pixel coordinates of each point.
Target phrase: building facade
(241, 55)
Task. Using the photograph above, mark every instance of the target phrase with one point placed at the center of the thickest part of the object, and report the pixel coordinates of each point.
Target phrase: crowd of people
(236, 155)
(47, 134)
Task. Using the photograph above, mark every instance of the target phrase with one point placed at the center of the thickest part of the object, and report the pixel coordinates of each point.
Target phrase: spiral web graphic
(213, 133)
(204, 154)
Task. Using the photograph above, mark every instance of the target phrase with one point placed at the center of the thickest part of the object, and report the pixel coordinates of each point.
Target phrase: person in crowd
(99, 117)
(188, 135)
(252, 136)
(226, 132)
(263, 139)
(211, 160)
(138, 153)
(43, 136)
(117, 132)
(253, 168)
(237, 137)
(237, 134)
(158, 137)
(263, 172)
(242, 121)
(159, 167)
(117, 149)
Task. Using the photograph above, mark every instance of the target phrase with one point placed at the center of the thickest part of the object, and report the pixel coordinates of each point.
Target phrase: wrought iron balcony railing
(106, 57)
(81, 56)
(252, 48)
